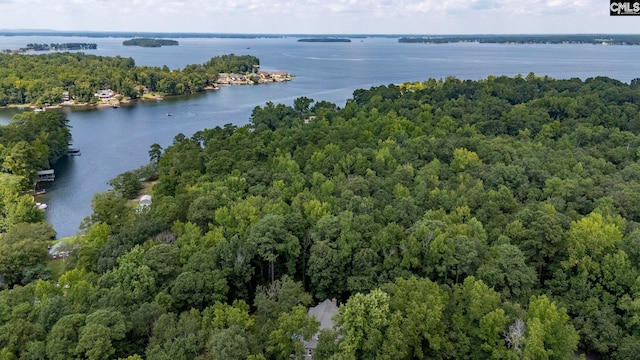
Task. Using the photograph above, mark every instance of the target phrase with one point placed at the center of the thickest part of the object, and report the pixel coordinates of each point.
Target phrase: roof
(45, 172)
(59, 249)
(324, 313)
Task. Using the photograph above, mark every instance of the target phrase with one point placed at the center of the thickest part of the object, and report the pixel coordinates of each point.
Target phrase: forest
(148, 42)
(42, 79)
(450, 219)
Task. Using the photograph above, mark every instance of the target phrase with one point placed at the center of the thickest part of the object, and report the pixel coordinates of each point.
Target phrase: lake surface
(116, 140)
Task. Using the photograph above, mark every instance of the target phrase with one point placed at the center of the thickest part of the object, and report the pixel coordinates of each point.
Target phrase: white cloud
(315, 16)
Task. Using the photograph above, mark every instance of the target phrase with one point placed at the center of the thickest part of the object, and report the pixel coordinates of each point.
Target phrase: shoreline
(124, 101)
(112, 102)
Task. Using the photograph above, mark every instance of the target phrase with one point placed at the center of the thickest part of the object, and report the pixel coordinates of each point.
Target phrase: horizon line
(45, 32)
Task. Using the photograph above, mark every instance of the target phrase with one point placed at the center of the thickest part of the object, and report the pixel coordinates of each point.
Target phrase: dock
(46, 175)
(73, 152)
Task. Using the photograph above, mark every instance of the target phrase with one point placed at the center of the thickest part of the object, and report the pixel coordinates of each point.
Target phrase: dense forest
(41, 79)
(451, 219)
(147, 42)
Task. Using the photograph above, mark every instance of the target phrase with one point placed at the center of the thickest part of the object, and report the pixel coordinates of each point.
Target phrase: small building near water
(46, 175)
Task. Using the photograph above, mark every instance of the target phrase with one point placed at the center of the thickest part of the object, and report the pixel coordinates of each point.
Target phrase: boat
(41, 206)
(115, 106)
(73, 152)
(169, 114)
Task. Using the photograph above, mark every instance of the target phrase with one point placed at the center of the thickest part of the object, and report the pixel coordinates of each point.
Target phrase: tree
(505, 270)
(272, 239)
(229, 344)
(127, 184)
(422, 304)
(302, 104)
(367, 325)
(198, 289)
(63, 337)
(20, 254)
(550, 335)
(292, 328)
(155, 152)
(177, 337)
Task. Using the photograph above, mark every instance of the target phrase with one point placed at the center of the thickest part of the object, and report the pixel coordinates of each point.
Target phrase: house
(141, 90)
(145, 201)
(223, 78)
(65, 96)
(265, 76)
(281, 76)
(104, 95)
(59, 250)
(324, 313)
(237, 78)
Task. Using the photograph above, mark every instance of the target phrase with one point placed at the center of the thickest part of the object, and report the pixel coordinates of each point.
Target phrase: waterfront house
(104, 95)
(223, 78)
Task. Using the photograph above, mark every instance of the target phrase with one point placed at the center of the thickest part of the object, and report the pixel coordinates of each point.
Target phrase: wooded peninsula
(52, 46)
(447, 219)
(78, 78)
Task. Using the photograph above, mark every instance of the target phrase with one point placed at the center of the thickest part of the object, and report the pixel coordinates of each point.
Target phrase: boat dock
(46, 175)
(73, 152)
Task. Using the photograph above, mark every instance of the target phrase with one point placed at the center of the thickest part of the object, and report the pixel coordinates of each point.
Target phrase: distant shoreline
(325, 40)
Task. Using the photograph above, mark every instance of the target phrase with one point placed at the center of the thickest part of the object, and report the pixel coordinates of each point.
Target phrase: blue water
(116, 140)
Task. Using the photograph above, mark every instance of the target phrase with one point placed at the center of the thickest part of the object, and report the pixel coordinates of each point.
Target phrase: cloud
(318, 16)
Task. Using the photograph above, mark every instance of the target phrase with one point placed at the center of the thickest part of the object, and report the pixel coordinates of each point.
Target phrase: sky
(319, 16)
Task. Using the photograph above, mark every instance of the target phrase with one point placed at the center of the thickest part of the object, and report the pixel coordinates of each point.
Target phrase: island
(148, 42)
(325, 40)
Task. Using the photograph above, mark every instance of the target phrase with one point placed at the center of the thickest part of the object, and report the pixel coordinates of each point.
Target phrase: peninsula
(72, 79)
(54, 47)
(147, 42)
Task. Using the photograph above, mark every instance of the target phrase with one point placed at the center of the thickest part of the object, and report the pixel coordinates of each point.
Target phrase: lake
(116, 140)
